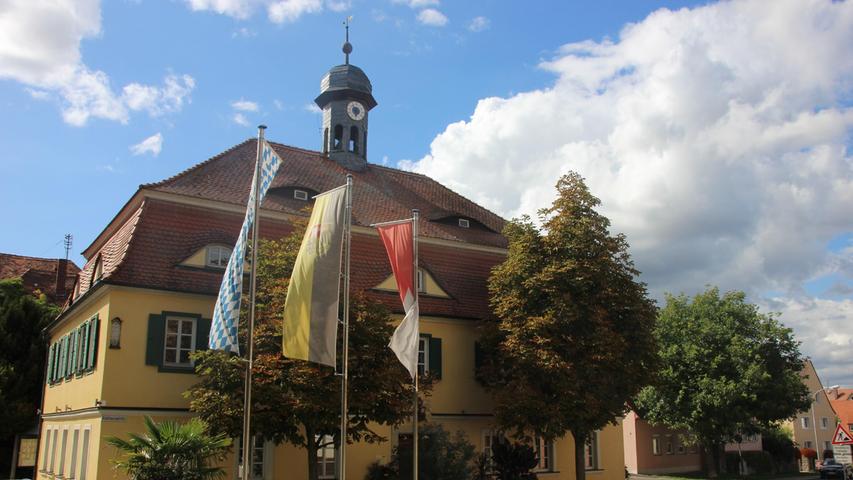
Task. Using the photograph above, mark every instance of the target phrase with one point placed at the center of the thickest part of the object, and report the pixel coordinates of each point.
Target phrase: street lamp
(814, 423)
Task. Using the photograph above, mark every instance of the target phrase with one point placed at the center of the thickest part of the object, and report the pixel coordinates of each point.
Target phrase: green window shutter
(63, 350)
(84, 348)
(69, 350)
(49, 374)
(72, 354)
(55, 362)
(435, 357)
(202, 332)
(92, 350)
(156, 339)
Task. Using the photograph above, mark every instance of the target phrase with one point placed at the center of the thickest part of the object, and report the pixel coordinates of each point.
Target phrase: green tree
(573, 337)
(171, 451)
(22, 357)
(727, 369)
(514, 461)
(295, 401)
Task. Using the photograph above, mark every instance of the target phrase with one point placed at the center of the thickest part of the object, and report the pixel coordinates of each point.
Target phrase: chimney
(61, 278)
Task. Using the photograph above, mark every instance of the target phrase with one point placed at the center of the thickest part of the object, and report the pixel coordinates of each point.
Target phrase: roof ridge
(196, 166)
(49, 259)
(300, 149)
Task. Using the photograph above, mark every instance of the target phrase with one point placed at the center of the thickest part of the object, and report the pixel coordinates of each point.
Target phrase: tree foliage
(171, 451)
(295, 401)
(514, 461)
(727, 369)
(440, 456)
(22, 355)
(573, 340)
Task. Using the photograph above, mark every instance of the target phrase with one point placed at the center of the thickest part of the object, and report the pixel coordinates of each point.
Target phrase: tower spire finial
(347, 48)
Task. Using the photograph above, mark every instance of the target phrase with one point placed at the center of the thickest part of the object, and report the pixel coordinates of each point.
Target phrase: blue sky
(716, 134)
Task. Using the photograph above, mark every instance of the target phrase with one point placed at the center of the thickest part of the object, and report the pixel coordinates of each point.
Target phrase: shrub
(440, 457)
(513, 461)
(809, 453)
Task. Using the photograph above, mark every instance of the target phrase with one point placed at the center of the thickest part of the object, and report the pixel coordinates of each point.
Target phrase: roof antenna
(347, 46)
(68, 241)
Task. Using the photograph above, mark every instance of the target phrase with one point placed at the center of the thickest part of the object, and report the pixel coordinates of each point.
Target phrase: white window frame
(656, 450)
(423, 351)
(259, 446)
(669, 445)
(327, 457)
(421, 283)
(84, 452)
(592, 452)
(804, 422)
(177, 347)
(300, 195)
(544, 455)
(219, 249)
(824, 423)
(464, 223)
(489, 438)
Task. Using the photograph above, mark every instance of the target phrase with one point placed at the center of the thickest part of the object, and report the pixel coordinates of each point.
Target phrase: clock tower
(346, 97)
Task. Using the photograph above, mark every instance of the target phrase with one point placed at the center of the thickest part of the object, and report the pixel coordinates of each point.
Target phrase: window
(590, 452)
(338, 141)
(423, 355)
(326, 458)
(74, 439)
(668, 444)
(544, 455)
(808, 444)
(464, 223)
(84, 454)
(46, 449)
(62, 452)
(824, 423)
(353, 139)
(421, 284)
(827, 445)
(656, 444)
(300, 194)
(679, 446)
(217, 256)
(99, 270)
(326, 140)
(804, 421)
(180, 341)
(257, 457)
(490, 438)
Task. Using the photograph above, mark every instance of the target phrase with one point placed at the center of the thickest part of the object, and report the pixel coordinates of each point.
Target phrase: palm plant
(171, 451)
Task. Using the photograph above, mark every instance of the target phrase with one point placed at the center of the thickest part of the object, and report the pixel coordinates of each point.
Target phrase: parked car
(831, 469)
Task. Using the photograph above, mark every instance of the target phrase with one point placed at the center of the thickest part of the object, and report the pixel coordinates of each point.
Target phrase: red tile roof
(842, 402)
(39, 274)
(147, 249)
(379, 193)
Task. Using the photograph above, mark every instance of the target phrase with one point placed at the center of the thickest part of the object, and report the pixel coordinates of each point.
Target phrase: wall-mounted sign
(27, 452)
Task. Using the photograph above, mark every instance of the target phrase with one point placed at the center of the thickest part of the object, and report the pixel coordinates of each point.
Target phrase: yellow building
(143, 302)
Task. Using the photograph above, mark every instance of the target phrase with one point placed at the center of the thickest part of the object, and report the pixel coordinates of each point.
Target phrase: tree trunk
(712, 460)
(580, 461)
(311, 450)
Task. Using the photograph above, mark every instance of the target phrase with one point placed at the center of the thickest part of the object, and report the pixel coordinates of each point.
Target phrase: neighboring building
(842, 402)
(657, 449)
(54, 277)
(144, 299)
(749, 443)
(813, 428)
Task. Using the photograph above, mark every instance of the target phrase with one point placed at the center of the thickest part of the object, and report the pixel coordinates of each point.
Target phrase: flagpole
(415, 214)
(345, 376)
(248, 441)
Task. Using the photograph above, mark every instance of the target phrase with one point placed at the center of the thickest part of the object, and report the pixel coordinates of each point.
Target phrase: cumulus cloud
(40, 48)
(278, 11)
(478, 24)
(313, 108)
(716, 137)
(417, 3)
(152, 145)
(240, 119)
(245, 105)
(432, 17)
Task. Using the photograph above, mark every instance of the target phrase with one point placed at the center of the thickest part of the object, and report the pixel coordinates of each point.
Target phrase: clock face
(355, 110)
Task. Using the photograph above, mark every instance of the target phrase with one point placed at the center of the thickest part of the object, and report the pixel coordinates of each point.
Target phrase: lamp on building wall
(817, 446)
(115, 333)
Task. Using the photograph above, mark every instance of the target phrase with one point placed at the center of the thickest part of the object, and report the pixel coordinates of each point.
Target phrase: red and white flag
(399, 243)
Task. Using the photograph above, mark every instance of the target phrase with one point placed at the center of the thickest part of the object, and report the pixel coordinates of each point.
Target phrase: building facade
(143, 302)
(656, 449)
(52, 277)
(813, 428)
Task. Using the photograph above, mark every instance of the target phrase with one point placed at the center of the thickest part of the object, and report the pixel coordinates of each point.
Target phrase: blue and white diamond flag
(226, 313)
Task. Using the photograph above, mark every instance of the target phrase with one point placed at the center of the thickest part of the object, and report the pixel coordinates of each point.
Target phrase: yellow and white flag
(311, 308)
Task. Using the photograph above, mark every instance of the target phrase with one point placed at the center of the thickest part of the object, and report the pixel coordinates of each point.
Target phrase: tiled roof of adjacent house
(379, 193)
(842, 402)
(39, 274)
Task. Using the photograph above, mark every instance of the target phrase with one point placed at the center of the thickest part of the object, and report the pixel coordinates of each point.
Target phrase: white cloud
(278, 104)
(159, 100)
(283, 11)
(339, 5)
(716, 137)
(233, 8)
(152, 145)
(244, 32)
(432, 17)
(417, 3)
(278, 11)
(478, 24)
(240, 119)
(40, 48)
(313, 108)
(245, 105)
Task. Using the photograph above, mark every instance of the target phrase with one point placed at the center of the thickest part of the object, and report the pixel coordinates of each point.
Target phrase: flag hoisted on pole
(401, 243)
(311, 306)
(226, 312)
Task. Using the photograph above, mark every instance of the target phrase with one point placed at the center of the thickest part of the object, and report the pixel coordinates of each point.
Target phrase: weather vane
(347, 46)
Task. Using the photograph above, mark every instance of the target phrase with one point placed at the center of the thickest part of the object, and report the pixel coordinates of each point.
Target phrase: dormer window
(464, 223)
(300, 195)
(98, 271)
(217, 256)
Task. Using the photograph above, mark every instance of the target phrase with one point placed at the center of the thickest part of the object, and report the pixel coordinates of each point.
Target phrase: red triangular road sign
(842, 437)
